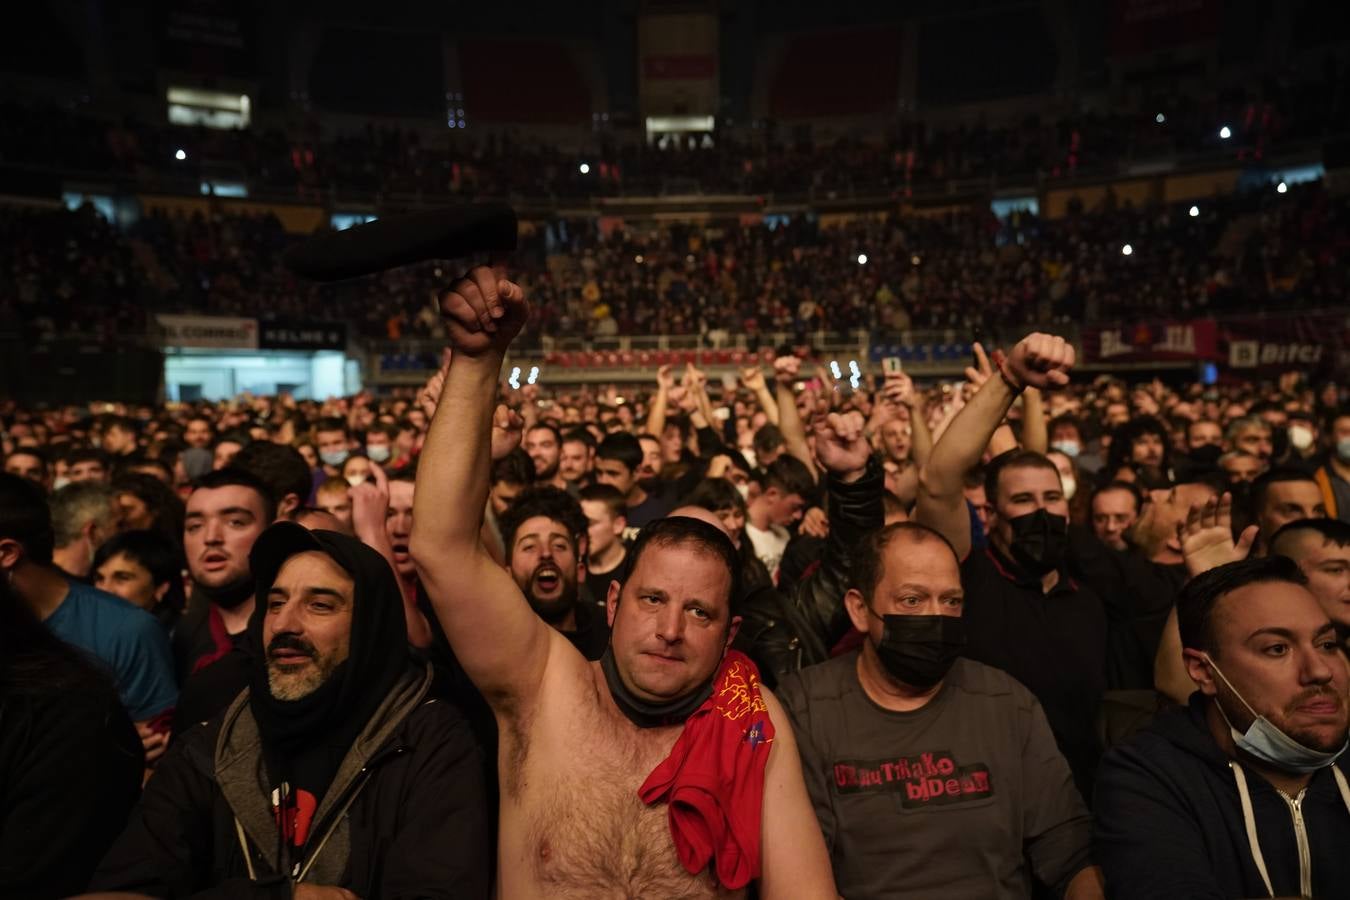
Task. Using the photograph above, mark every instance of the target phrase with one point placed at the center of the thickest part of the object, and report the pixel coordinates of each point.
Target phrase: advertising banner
(298, 335)
(1283, 342)
(209, 332)
(1158, 341)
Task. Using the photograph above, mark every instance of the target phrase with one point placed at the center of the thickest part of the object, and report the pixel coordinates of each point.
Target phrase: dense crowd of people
(1068, 636)
(965, 272)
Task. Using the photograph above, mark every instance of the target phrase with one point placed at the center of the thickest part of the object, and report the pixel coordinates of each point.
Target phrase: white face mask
(60, 482)
(1264, 741)
(744, 491)
(1070, 485)
(1300, 437)
(1068, 448)
(379, 453)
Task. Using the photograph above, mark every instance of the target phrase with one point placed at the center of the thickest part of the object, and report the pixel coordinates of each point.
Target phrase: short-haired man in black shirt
(1028, 617)
(119, 436)
(618, 460)
(912, 754)
(1025, 614)
(577, 458)
(605, 512)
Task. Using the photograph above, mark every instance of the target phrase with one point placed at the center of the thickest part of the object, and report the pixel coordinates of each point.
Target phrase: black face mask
(1279, 443)
(920, 650)
(1040, 540)
(1207, 455)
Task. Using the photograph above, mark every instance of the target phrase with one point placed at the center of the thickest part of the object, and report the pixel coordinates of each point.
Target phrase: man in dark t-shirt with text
(932, 775)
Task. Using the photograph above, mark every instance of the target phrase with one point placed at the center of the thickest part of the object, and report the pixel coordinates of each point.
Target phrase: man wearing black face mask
(1028, 617)
(912, 754)
(1204, 442)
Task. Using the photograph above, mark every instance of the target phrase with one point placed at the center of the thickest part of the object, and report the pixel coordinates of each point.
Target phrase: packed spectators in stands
(1042, 525)
(958, 272)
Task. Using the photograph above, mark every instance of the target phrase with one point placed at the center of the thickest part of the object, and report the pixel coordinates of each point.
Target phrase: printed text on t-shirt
(929, 779)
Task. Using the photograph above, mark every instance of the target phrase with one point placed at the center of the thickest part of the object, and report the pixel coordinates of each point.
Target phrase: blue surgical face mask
(1269, 744)
(334, 457)
(1343, 449)
(1068, 448)
(378, 453)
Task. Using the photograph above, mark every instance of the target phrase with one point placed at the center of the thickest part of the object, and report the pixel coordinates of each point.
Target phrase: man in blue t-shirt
(126, 640)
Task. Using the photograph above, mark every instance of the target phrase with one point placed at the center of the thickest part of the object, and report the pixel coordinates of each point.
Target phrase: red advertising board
(1157, 341)
(1265, 344)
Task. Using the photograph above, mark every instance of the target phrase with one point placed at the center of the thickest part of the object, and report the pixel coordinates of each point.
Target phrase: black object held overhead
(386, 243)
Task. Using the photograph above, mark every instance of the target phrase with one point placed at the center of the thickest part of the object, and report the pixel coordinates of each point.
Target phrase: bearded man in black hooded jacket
(334, 774)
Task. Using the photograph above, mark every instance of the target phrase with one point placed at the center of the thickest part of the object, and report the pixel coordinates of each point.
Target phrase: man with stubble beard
(578, 738)
(543, 443)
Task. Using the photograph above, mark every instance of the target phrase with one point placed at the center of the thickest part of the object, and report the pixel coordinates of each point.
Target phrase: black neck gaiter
(227, 596)
(651, 715)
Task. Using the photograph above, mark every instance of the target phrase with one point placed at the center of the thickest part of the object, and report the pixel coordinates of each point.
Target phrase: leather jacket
(787, 630)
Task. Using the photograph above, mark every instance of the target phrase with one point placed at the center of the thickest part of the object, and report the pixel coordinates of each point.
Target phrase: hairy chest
(579, 828)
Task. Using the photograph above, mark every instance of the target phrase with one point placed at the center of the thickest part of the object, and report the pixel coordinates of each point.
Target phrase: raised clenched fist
(752, 378)
(1041, 361)
(483, 312)
(786, 369)
(841, 446)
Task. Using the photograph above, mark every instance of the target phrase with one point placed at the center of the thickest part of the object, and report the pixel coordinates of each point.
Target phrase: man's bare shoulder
(777, 713)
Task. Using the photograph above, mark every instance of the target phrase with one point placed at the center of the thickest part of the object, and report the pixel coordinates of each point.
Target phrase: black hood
(378, 651)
